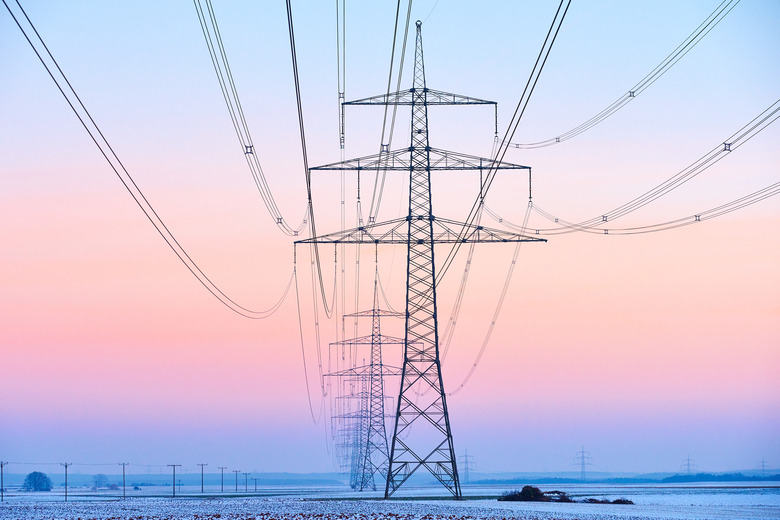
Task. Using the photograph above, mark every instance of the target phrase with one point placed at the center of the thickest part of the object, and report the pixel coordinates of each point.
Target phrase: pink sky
(644, 348)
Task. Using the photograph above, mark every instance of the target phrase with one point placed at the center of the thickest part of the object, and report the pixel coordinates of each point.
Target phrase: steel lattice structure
(422, 436)
(365, 436)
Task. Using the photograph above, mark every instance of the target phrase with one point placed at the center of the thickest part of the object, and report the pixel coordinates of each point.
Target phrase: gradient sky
(645, 349)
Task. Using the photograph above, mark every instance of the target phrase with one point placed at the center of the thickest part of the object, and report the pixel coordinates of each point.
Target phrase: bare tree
(100, 480)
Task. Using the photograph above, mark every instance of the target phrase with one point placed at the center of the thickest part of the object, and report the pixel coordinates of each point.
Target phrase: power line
(449, 330)
(376, 198)
(525, 97)
(476, 211)
(314, 418)
(380, 171)
(97, 136)
(496, 313)
(214, 43)
(341, 65)
(307, 173)
(599, 223)
(431, 11)
(341, 59)
(475, 214)
(676, 55)
(723, 209)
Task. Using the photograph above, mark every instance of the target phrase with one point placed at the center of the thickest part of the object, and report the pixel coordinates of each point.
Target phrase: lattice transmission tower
(422, 436)
(583, 459)
(688, 465)
(363, 431)
(468, 464)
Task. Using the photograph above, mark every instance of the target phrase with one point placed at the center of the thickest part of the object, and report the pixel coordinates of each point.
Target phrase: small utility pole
(65, 465)
(255, 479)
(236, 471)
(201, 476)
(222, 471)
(246, 482)
(174, 476)
(2, 487)
(124, 487)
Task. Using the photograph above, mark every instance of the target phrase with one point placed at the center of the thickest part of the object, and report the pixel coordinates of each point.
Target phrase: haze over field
(645, 348)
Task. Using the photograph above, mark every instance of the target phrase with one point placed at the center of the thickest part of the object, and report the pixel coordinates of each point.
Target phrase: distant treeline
(557, 480)
(16, 480)
(711, 477)
(699, 477)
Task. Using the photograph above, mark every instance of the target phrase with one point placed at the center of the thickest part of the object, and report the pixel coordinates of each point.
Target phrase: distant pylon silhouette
(583, 458)
(369, 453)
(376, 456)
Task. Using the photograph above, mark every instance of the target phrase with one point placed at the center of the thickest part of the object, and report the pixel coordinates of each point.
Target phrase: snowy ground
(712, 502)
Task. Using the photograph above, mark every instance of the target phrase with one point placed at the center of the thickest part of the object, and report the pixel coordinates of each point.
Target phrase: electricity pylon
(583, 458)
(376, 456)
(422, 436)
(688, 465)
(762, 466)
(358, 434)
(367, 435)
(467, 463)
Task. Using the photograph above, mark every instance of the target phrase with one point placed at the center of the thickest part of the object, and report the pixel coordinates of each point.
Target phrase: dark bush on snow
(534, 494)
(527, 494)
(558, 496)
(624, 501)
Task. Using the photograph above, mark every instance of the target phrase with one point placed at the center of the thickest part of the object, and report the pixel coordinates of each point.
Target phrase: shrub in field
(623, 501)
(527, 494)
(558, 496)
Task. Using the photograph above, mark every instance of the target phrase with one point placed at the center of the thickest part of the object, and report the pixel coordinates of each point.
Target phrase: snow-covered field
(701, 502)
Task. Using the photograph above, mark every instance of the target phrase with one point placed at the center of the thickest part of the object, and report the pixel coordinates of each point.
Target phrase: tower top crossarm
(430, 96)
(433, 97)
(372, 312)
